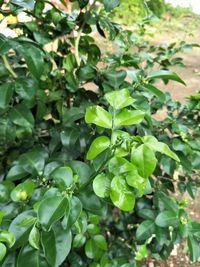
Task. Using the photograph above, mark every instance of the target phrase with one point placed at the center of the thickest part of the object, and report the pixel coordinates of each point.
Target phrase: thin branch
(8, 67)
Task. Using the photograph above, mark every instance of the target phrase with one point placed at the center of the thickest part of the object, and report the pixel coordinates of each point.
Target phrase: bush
(87, 175)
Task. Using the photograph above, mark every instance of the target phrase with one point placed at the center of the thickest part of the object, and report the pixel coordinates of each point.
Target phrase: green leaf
(128, 117)
(114, 77)
(119, 99)
(91, 202)
(2, 213)
(79, 241)
(155, 91)
(147, 214)
(101, 185)
(21, 226)
(100, 241)
(194, 249)
(118, 166)
(135, 180)
(145, 230)
(163, 148)
(69, 62)
(109, 5)
(92, 251)
(28, 256)
(141, 253)
(99, 144)
(56, 244)
(144, 159)
(34, 237)
(121, 195)
(51, 210)
(74, 212)
(34, 59)
(63, 177)
(191, 188)
(98, 116)
(33, 162)
(82, 170)
(22, 191)
(26, 88)
(167, 218)
(6, 92)
(3, 251)
(16, 173)
(7, 237)
(165, 74)
(22, 116)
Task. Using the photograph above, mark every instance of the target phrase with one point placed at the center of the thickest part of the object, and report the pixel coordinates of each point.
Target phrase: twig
(8, 67)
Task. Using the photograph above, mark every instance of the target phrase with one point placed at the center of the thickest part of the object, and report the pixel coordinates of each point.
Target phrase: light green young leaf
(101, 185)
(7, 237)
(34, 237)
(135, 180)
(157, 146)
(98, 116)
(128, 117)
(119, 99)
(3, 251)
(99, 144)
(144, 159)
(118, 166)
(121, 195)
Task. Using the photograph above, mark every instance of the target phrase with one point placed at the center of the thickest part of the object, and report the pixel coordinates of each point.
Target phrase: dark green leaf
(167, 218)
(165, 74)
(51, 210)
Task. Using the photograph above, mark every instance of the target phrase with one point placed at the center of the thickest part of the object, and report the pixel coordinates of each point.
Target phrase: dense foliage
(131, 11)
(87, 174)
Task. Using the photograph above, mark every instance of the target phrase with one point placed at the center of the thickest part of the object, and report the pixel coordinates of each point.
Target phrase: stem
(8, 67)
(78, 60)
(77, 41)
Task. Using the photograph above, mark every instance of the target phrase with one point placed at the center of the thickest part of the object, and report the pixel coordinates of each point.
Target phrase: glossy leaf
(28, 256)
(7, 237)
(194, 250)
(98, 116)
(165, 74)
(121, 194)
(119, 99)
(22, 116)
(119, 166)
(63, 177)
(101, 185)
(56, 245)
(99, 144)
(3, 250)
(155, 91)
(166, 218)
(6, 91)
(144, 159)
(34, 237)
(128, 117)
(145, 230)
(51, 210)
(21, 226)
(163, 148)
